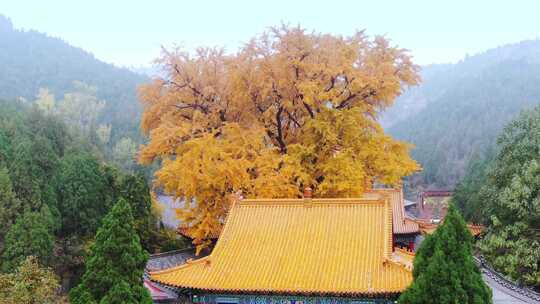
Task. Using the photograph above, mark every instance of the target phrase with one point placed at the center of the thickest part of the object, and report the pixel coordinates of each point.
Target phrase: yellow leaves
(276, 176)
(344, 152)
(290, 109)
(344, 176)
(205, 170)
(45, 101)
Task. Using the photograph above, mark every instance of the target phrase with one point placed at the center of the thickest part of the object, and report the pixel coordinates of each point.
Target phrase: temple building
(405, 230)
(301, 251)
(430, 210)
(353, 250)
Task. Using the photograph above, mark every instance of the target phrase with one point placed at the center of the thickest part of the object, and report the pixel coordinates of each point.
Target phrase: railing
(173, 292)
(503, 281)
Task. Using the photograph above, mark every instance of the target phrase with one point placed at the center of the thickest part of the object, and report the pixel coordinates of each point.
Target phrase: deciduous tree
(81, 108)
(103, 133)
(512, 243)
(469, 196)
(290, 109)
(30, 283)
(124, 153)
(45, 101)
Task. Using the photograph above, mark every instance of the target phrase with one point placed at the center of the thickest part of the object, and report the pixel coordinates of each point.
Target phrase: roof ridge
(383, 191)
(388, 229)
(321, 201)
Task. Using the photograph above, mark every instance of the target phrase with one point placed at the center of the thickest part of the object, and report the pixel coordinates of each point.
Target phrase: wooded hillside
(31, 60)
(458, 110)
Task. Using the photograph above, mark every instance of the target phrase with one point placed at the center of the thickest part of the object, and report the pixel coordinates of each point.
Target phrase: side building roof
(319, 246)
(401, 223)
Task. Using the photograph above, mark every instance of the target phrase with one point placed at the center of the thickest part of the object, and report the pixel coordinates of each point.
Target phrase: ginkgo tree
(290, 109)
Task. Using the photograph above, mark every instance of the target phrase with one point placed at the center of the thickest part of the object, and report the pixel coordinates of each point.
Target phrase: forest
(55, 190)
(93, 94)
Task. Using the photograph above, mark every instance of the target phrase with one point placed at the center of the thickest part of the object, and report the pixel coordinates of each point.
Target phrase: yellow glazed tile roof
(401, 224)
(322, 246)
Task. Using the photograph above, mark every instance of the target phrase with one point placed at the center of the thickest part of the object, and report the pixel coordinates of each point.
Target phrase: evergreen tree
(26, 174)
(122, 293)
(444, 270)
(31, 235)
(134, 189)
(83, 198)
(10, 207)
(5, 147)
(115, 266)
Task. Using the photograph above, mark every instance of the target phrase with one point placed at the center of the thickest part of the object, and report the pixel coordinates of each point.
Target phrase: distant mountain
(30, 60)
(149, 71)
(459, 109)
(416, 98)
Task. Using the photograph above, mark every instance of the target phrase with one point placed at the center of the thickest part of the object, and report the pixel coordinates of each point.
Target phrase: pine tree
(31, 235)
(444, 270)
(115, 266)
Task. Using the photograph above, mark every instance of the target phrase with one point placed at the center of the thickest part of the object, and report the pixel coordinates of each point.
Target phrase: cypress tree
(82, 194)
(30, 235)
(134, 189)
(114, 268)
(10, 206)
(444, 270)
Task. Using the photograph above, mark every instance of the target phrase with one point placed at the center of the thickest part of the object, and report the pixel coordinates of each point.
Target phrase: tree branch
(291, 117)
(308, 108)
(279, 137)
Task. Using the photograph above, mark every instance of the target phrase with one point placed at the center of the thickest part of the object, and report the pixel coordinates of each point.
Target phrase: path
(505, 291)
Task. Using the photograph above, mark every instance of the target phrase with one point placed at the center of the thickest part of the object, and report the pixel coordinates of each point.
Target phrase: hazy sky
(131, 32)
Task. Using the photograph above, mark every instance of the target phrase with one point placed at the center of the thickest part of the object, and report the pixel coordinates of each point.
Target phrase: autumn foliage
(290, 109)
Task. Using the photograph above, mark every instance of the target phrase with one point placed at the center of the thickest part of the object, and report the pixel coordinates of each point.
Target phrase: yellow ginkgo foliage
(290, 109)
